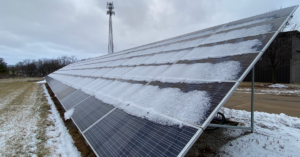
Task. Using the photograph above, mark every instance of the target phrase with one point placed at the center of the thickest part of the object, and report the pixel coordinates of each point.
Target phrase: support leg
(252, 102)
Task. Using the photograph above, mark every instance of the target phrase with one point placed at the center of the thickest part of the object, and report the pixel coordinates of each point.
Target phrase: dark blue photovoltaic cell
(60, 88)
(65, 93)
(89, 111)
(57, 86)
(73, 99)
(120, 134)
(54, 84)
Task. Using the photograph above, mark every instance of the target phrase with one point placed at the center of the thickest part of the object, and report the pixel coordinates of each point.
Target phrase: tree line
(36, 68)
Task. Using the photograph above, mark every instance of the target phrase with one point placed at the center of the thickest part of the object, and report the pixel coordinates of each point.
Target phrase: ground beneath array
(30, 124)
(275, 134)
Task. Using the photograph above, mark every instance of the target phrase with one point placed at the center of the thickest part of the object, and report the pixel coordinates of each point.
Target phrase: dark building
(282, 57)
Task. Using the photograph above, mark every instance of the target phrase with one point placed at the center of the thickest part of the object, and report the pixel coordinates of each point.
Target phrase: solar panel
(65, 92)
(89, 111)
(120, 134)
(156, 99)
(73, 99)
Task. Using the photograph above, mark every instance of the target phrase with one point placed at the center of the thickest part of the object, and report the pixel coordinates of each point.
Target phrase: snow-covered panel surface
(180, 81)
(218, 54)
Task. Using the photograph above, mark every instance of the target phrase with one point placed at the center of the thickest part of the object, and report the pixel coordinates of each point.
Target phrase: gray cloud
(48, 29)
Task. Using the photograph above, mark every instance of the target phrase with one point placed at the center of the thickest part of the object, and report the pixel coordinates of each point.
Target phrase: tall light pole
(110, 12)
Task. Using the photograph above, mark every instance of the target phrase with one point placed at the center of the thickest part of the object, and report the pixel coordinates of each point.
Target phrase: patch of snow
(44, 81)
(274, 135)
(145, 73)
(230, 26)
(205, 72)
(169, 57)
(278, 86)
(275, 91)
(216, 51)
(68, 114)
(223, 50)
(189, 73)
(252, 31)
(166, 106)
(59, 138)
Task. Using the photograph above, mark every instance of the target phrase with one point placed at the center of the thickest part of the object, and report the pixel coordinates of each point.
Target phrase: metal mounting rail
(252, 112)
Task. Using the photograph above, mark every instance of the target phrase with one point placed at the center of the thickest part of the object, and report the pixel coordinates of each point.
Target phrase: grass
(23, 118)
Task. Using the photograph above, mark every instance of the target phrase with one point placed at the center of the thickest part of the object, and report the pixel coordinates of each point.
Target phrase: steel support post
(252, 112)
(252, 102)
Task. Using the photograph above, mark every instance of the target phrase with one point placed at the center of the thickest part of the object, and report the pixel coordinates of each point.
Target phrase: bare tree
(291, 25)
(42, 67)
(3, 66)
(279, 53)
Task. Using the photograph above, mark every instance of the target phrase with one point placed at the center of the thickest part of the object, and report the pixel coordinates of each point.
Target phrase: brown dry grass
(23, 115)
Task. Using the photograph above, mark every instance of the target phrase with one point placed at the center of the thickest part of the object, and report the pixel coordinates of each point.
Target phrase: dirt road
(270, 100)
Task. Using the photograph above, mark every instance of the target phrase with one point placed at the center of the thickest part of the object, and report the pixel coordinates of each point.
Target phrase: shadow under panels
(120, 134)
(73, 99)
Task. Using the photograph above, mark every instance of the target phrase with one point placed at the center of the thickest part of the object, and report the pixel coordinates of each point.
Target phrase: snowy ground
(29, 126)
(275, 135)
(276, 89)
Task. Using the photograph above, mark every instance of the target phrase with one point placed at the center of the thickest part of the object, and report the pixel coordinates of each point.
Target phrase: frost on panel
(239, 33)
(152, 103)
(101, 72)
(232, 26)
(117, 72)
(201, 72)
(117, 92)
(168, 106)
(82, 82)
(223, 50)
(135, 60)
(95, 86)
(145, 73)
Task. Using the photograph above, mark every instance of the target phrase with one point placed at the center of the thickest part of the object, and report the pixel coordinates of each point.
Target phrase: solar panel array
(156, 99)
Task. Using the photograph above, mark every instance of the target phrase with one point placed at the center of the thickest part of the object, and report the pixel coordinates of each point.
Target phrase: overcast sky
(35, 29)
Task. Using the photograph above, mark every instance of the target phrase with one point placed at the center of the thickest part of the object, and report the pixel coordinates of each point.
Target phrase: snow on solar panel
(157, 99)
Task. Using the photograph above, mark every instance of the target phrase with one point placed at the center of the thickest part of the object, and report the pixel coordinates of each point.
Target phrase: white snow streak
(68, 114)
(59, 138)
(277, 86)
